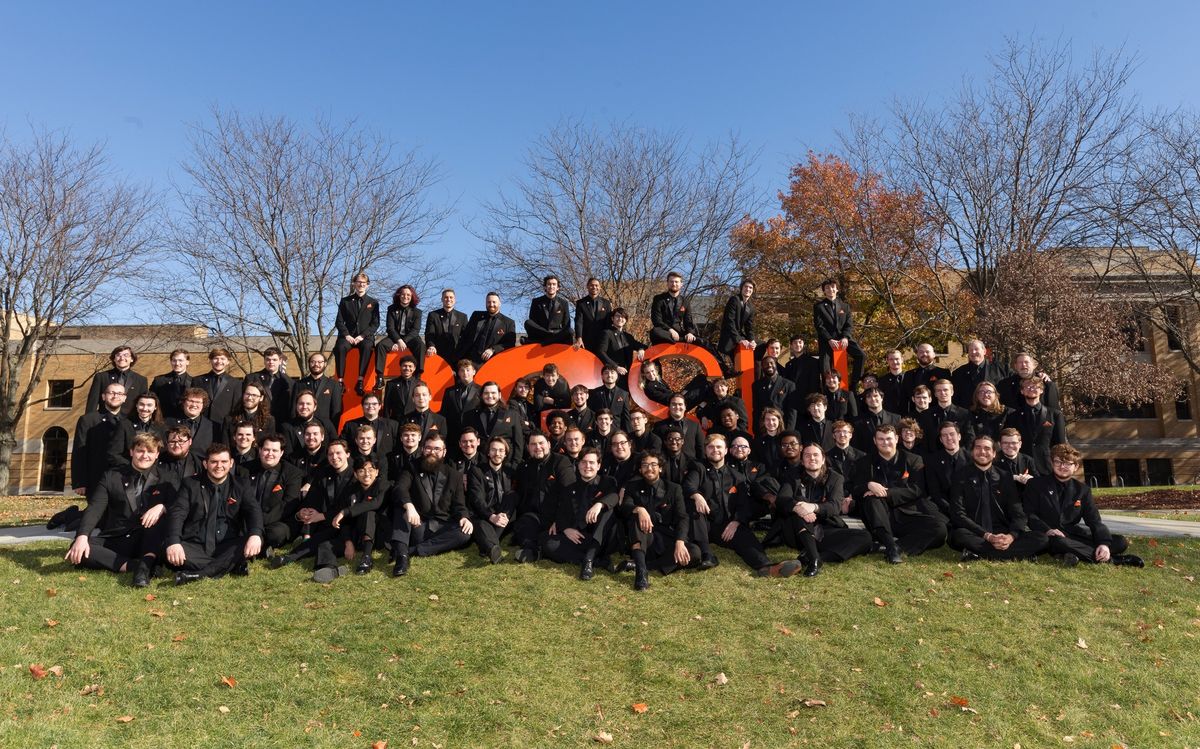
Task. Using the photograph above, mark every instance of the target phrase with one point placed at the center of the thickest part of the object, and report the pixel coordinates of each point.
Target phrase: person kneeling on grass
(985, 511)
(215, 524)
(1061, 506)
(128, 506)
(657, 521)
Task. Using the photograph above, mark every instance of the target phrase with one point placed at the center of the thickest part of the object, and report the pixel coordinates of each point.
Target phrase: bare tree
(71, 238)
(1017, 164)
(623, 204)
(276, 218)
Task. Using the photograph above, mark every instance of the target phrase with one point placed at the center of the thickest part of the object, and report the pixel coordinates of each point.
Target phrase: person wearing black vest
(357, 321)
(887, 489)
(670, 320)
(215, 523)
(224, 390)
(95, 433)
(429, 510)
(592, 317)
(1040, 427)
(403, 328)
(326, 390)
(127, 505)
(832, 319)
(276, 487)
(422, 415)
(123, 359)
(169, 387)
(549, 316)
(657, 523)
(1061, 506)
(737, 326)
(978, 368)
(275, 383)
(986, 515)
(488, 332)
(492, 499)
(580, 528)
(540, 477)
(443, 329)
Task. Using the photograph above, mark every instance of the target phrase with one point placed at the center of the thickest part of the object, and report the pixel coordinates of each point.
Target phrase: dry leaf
(379, 745)
(1160, 562)
(51, 592)
(229, 681)
(722, 679)
(157, 614)
(604, 737)
(960, 701)
(56, 670)
(150, 596)
(933, 712)
(814, 703)
(433, 597)
(223, 710)
(784, 631)
(947, 574)
(37, 671)
(95, 689)
(179, 638)
(51, 623)
(880, 602)
(1152, 543)
(639, 707)
(1081, 644)
(125, 719)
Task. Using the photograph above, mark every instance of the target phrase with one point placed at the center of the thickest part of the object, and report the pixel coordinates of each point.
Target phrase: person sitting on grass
(657, 523)
(985, 510)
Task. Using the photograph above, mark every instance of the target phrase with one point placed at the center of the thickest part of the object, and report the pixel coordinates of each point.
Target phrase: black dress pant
(429, 538)
(547, 337)
(707, 530)
(280, 533)
(1025, 545)
(487, 536)
(597, 541)
(914, 530)
(833, 544)
(416, 348)
(225, 555)
(1079, 541)
(526, 530)
(341, 348)
(659, 547)
(114, 552)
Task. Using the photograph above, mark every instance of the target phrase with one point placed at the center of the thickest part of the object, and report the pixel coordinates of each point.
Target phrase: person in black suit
(224, 390)
(429, 509)
(122, 359)
(488, 332)
(460, 398)
(403, 326)
(871, 417)
(203, 430)
(978, 368)
(492, 419)
(255, 407)
(988, 414)
(326, 390)
(841, 456)
(178, 461)
(592, 313)
(353, 522)
(737, 326)
(802, 369)
(580, 531)
(1040, 427)
(356, 322)
(387, 431)
(492, 499)
(1025, 365)
(612, 397)
(926, 372)
(443, 329)
(943, 465)
(275, 383)
(94, 434)
(657, 522)
(275, 485)
(550, 392)
(422, 415)
(944, 408)
(397, 396)
(549, 316)
(146, 417)
(887, 488)
(1061, 506)
(986, 515)
(169, 387)
(891, 384)
(1011, 458)
(669, 316)
(693, 444)
(618, 348)
(304, 416)
(127, 505)
(773, 391)
(215, 523)
(835, 329)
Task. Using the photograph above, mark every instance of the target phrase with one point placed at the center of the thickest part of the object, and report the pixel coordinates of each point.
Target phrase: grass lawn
(1187, 515)
(930, 653)
(1120, 491)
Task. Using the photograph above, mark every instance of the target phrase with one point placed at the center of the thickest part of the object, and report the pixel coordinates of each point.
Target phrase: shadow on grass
(39, 559)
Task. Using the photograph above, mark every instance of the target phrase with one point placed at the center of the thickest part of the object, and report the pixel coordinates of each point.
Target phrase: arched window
(54, 460)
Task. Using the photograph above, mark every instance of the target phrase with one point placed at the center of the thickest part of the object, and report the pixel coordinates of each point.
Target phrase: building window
(1160, 472)
(1174, 317)
(1183, 406)
(60, 394)
(54, 460)
(1129, 471)
(1105, 409)
(1095, 473)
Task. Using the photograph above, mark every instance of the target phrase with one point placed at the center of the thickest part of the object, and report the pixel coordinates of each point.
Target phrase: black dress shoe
(281, 561)
(183, 578)
(1069, 560)
(141, 574)
(626, 566)
(495, 554)
(813, 568)
(892, 554)
(587, 571)
(968, 556)
(642, 580)
(241, 569)
(62, 517)
(401, 568)
(365, 565)
(1128, 560)
(358, 388)
(708, 561)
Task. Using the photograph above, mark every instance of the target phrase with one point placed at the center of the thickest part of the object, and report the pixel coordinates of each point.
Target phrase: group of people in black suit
(204, 474)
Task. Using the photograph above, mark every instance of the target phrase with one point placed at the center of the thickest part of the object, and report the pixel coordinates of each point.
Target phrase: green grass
(1120, 491)
(528, 656)
(1184, 515)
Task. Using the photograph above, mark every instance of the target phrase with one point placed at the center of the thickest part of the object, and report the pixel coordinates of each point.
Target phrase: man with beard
(592, 317)
(549, 316)
(356, 323)
(128, 505)
(978, 368)
(1040, 428)
(387, 431)
(658, 523)
(580, 530)
(169, 387)
(488, 332)
(94, 434)
(493, 419)
(986, 513)
(670, 320)
(809, 508)
(305, 415)
(492, 499)
(326, 390)
(178, 462)
(274, 382)
(721, 513)
(541, 476)
(311, 454)
(443, 329)
(887, 490)
(275, 485)
(926, 372)
(429, 510)
(215, 523)
(1061, 506)
(773, 391)
(677, 419)
(123, 359)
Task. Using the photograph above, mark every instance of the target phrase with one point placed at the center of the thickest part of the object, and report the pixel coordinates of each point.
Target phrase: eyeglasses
(1061, 462)
(620, 443)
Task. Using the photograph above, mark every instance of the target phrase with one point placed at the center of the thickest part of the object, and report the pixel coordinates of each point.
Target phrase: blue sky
(472, 84)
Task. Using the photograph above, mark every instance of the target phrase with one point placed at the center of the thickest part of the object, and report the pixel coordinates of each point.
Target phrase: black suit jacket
(135, 385)
(281, 500)
(397, 396)
(901, 475)
(357, 315)
(449, 505)
(737, 324)
(693, 443)
(1064, 505)
(592, 318)
(204, 432)
(90, 450)
(224, 393)
(113, 508)
(615, 400)
(188, 518)
(548, 316)
(429, 422)
(329, 397)
(169, 388)
(616, 348)
(538, 483)
(496, 332)
(920, 376)
(1040, 430)
(403, 324)
(443, 330)
(968, 376)
(663, 501)
(505, 424)
(832, 320)
(279, 388)
(387, 432)
(666, 316)
(573, 502)
(491, 492)
(973, 488)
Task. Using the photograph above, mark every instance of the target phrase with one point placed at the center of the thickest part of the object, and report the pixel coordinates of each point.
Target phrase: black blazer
(902, 475)
(539, 481)
(111, 508)
(573, 502)
(429, 422)
(204, 432)
(443, 330)
(1040, 430)
(920, 376)
(865, 426)
(224, 392)
(496, 332)
(663, 314)
(279, 388)
(1064, 505)
(169, 388)
(357, 315)
(548, 316)
(387, 432)
(94, 434)
(737, 324)
(135, 385)
(968, 376)
(491, 492)
(449, 505)
(403, 324)
(616, 400)
(190, 517)
(592, 318)
(693, 443)
(329, 396)
(507, 424)
(617, 347)
(280, 501)
(664, 503)
(975, 487)
(832, 320)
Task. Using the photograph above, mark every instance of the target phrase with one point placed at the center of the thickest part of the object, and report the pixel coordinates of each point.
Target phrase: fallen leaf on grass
(880, 602)
(379, 745)
(933, 712)
(51, 592)
(38, 671)
(125, 719)
(784, 631)
(814, 703)
(1081, 644)
(56, 670)
(433, 597)
(604, 737)
(150, 596)
(157, 614)
(959, 701)
(179, 638)
(1152, 543)
(229, 681)
(947, 574)
(95, 689)
(722, 679)
(639, 707)
(223, 710)
(51, 623)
